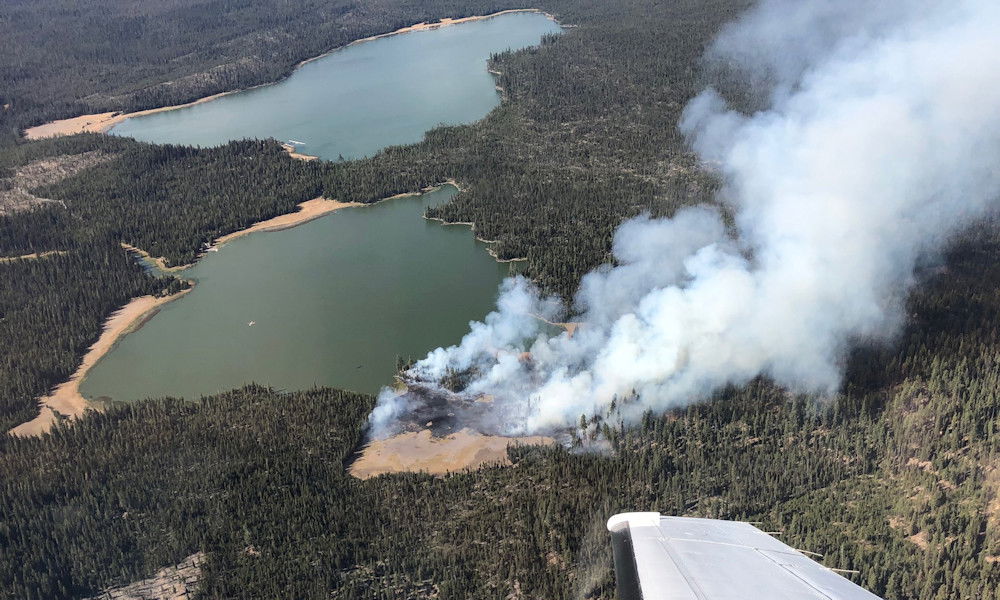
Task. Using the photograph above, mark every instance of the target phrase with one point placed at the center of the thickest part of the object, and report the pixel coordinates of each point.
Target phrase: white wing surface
(678, 558)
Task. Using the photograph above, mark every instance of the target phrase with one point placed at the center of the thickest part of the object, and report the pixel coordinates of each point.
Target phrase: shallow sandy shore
(424, 26)
(32, 256)
(95, 123)
(308, 210)
(102, 122)
(420, 452)
(65, 400)
(290, 149)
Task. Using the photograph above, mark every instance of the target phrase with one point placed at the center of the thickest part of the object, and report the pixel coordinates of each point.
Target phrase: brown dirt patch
(15, 194)
(421, 452)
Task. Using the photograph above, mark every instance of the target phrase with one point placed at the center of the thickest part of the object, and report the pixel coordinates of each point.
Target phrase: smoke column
(876, 139)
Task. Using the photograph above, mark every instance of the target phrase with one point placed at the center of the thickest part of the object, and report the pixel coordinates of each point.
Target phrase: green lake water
(337, 300)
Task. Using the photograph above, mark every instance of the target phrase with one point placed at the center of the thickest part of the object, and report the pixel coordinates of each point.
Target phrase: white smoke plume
(878, 139)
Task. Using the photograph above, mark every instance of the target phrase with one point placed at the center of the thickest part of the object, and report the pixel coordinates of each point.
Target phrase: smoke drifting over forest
(876, 138)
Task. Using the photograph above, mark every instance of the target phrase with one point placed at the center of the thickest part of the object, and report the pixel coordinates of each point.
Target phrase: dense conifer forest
(895, 477)
(52, 310)
(167, 200)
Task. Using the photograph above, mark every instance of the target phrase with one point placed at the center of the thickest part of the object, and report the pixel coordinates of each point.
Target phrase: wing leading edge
(680, 558)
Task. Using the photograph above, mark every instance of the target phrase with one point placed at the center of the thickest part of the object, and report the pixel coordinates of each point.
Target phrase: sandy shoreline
(65, 400)
(444, 22)
(308, 210)
(102, 122)
(420, 452)
(425, 26)
(426, 190)
(290, 149)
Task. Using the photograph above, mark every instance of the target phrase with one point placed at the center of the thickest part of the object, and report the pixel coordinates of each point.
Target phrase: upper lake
(362, 98)
(337, 300)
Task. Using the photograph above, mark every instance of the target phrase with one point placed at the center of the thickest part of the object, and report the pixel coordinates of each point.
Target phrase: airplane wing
(679, 558)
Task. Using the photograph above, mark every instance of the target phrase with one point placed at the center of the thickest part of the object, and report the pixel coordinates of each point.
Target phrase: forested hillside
(171, 200)
(51, 311)
(895, 478)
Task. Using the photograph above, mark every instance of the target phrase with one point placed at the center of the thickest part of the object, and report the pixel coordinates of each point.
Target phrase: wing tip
(633, 519)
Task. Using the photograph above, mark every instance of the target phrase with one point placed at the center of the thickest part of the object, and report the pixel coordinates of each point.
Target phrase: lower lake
(332, 302)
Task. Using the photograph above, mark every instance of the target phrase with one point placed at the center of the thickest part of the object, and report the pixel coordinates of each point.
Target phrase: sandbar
(102, 122)
(308, 210)
(290, 149)
(65, 400)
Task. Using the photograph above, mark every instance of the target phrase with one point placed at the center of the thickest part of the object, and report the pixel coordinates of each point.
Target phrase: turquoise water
(362, 98)
(337, 300)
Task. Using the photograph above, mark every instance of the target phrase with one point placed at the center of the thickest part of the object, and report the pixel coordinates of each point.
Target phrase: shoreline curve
(65, 400)
(103, 122)
(306, 211)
